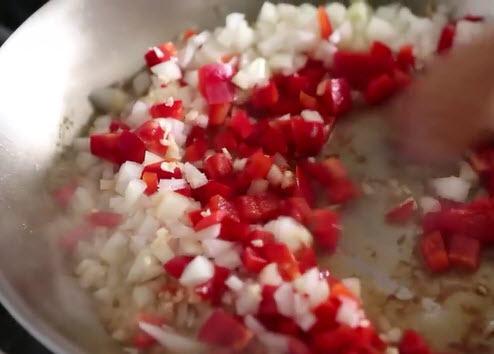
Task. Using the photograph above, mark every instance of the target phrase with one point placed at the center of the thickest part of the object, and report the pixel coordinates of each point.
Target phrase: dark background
(13, 338)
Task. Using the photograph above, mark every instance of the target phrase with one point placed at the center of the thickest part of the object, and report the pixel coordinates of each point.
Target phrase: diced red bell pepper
(382, 51)
(379, 88)
(473, 18)
(277, 253)
(447, 37)
(269, 206)
(297, 208)
(342, 191)
(326, 314)
(258, 165)
(464, 252)
(306, 258)
(265, 96)
(359, 68)
(151, 180)
(268, 304)
(482, 159)
(151, 134)
(215, 84)
(327, 171)
(293, 84)
(252, 260)
(309, 137)
(324, 23)
(307, 101)
(162, 174)
(160, 54)
(434, 252)
(338, 96)
(296, 346)
(213, 289)
(264, 236)
(314, 71)
(221, 329)
(274, 141)
(402, 213)
(117, 125)
(338, 340)
(225, 139)
(64, 193)
(302, 187)
(196, 133)
(218, 113)
(406, 58)
(175, 266)
(325, 228)
(195, 151)
(248, 209)
(186, 191)
(218, 202)
(241, 124)
(218, 166)
(163, 110)
(195, 216)
(233, 230)
(205, 193)
(401, 79)
(142, 340)
(214, 218)
(104, 218)
(118, 147)
(189, 33)
(412, 343)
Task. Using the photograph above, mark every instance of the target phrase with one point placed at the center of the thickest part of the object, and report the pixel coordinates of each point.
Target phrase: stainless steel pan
(47, 69)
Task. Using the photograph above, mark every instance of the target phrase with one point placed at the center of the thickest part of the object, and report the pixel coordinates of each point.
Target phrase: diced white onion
(135, 189)
(269, 275)
(256, 73)
(172, 206)
(209, 232)
(167, 71)
(284, 299)
(258, 187)
(172, 341)
(128, 171)
(195, 177)
(229, 259)
(234, 283)
(452, 188)
(198, 271)
(248, 300)
(348, 313)
(311, 116)
(214, 247)
(290, 232)
(429, 204)
(172, 184)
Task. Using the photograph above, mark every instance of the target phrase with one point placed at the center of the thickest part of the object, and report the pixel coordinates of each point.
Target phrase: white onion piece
(452, 188)
(274, 341)
(258, 186)
(467, 31)
(268, 13)
(284, 299)
(336, 12)
(172, 184)
(138, 115)
(429, 204)
(141, 83)
(161, 249)
(214, 247)
(172, 206)
(128, 171)
(253, 324)
(209, 232)
(150, 158)
(274, 176)
(256, 73)
(198, 271)
(230, 259)
(311, 116)
(239, 164)
(172, 341)
(380, 30)
(348, 313)
(167, 71)
(311, 285)
(269, 275)
(114, 249)
(135, 189)
(248, 300)
(234, 283)
(109, 99)
(195, 177)
(144, 268)
(352, 284)
(290, 232)
(467, 173)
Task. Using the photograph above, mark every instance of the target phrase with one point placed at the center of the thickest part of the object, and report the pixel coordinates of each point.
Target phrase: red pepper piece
(324, 23)
(302, 187)
(268, 304)
(379, 88)
(215, 84)
(406, 58)
(221, 329)
(401, 79)
(327, 171)
(162, 174)
(296, 346)
(195, 151)
(335, 341)
(434, 252)
(309, 137)
(160, 54)
(195, 216)
(269, 206)
(117, 125)
(447, 37)
(225, 139)
(342, 191)
(258, 165)
(402, 213)
(274, 141)
(175, 266)
(248, 209)
(265, 96)
(265, 236)
(252, 261)
(241, 124)
(324, 226)
(382, 51)
(464, 252)
(151, 134)
(142, 340)
(163, 110)
(218, 113)
(118, 147)
(104, 218)
(214, 218)
(233, 230)
(151, 180)
(297, 208)
(306, 258)
(218, 166)
(293, 84)
(218, 202)
(196, 133)
(307, 101)
(189, 33)
(412, 343)
(338, 96)
(214, 288)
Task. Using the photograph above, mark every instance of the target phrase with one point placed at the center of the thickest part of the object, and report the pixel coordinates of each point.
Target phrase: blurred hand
(450, 106)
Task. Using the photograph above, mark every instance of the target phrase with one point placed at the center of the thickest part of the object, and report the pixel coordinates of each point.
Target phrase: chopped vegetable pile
(213, 196)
